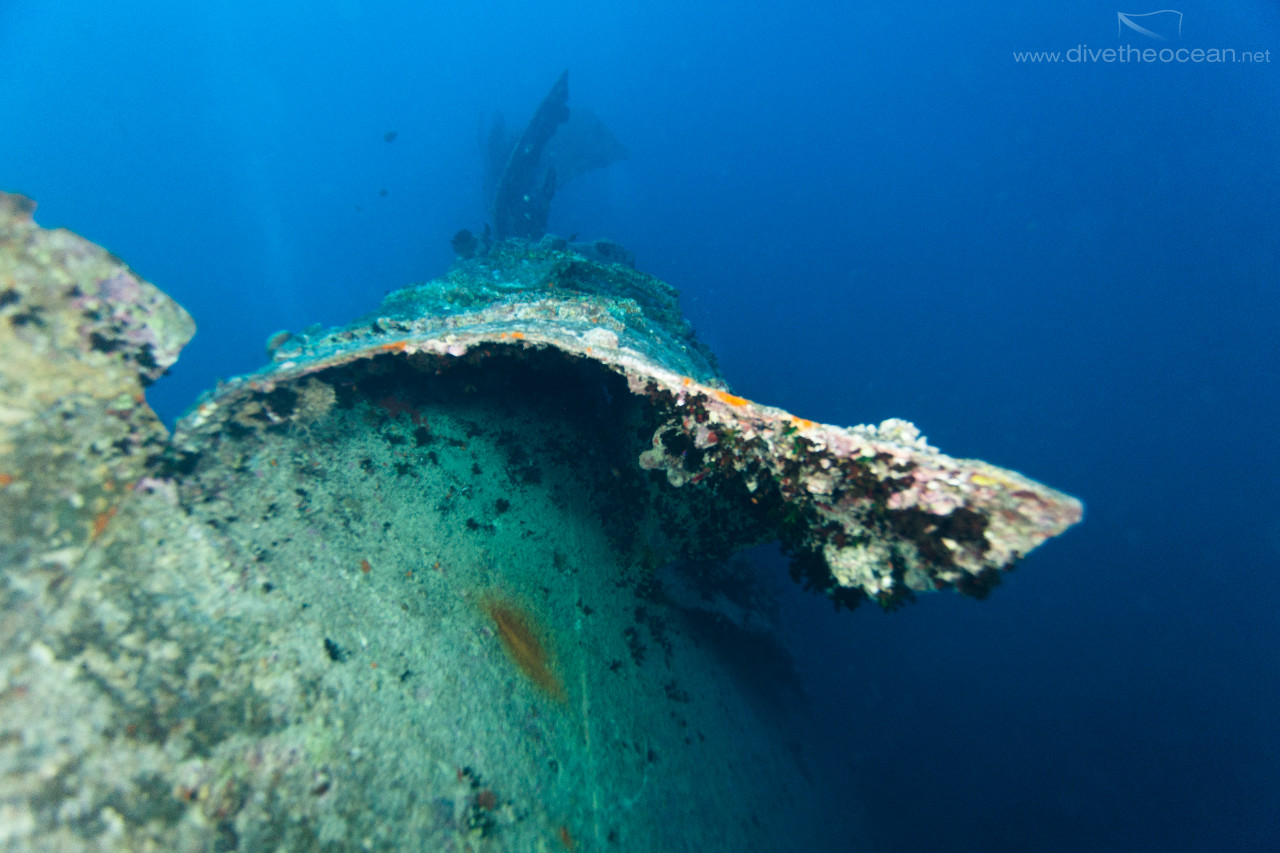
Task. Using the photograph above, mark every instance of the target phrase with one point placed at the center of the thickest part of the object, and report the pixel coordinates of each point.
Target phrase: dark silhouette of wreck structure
(524, 173)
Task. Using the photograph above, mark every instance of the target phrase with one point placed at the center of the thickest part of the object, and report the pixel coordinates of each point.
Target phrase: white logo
(1160, 26)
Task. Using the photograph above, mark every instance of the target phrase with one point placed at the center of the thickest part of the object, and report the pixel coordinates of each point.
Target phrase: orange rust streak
(524, 648)
(731, 399)
(101, 520)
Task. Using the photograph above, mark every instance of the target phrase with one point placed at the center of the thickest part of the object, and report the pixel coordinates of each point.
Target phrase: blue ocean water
(1065, 267)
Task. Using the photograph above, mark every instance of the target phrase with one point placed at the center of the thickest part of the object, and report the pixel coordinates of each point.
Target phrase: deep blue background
(1067, 269)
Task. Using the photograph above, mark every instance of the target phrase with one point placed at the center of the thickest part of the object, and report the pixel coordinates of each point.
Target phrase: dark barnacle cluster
(979, 586)
(482, 804)
(634, 644)
(810, 571)
(674, 692)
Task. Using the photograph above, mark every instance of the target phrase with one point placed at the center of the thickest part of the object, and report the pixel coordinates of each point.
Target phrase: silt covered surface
(453, 577)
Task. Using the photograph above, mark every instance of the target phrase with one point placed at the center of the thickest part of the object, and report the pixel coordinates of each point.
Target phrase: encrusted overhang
(868, 510)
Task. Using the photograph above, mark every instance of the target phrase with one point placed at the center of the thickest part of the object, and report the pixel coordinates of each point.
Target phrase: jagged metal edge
(887, 514)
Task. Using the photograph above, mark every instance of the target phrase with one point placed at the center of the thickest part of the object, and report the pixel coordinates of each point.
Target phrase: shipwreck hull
(413, 584)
